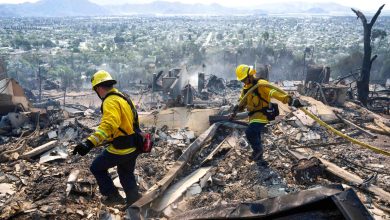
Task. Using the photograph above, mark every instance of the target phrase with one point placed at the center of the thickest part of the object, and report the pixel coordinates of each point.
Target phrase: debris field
(191, 168)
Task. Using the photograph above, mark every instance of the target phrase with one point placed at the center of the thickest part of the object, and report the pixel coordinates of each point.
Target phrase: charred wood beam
(360, 166)
(41, 149)
(356, 126)
(352, 178)
(348, 176)
(382, 126)
(178, 189)
(365, 111)
(321, 145)
(375, 129)
(159, 188)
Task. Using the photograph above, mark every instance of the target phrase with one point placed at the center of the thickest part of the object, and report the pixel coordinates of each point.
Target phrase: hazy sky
(359, 4)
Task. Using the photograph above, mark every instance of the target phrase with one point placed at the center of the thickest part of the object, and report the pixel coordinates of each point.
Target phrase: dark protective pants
(125, 166)
(253, 134)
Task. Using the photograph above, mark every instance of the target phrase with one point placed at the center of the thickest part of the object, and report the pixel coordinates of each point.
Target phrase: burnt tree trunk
(363, 82)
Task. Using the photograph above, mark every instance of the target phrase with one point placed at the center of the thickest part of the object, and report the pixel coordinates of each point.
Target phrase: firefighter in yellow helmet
(117, 127)
(258, 105)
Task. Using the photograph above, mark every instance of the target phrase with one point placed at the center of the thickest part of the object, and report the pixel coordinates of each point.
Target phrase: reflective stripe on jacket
(116, 114)
(254, 103)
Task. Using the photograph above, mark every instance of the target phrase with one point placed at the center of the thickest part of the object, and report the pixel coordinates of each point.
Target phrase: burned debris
(198, 170)
(316, 203)
(325, 156)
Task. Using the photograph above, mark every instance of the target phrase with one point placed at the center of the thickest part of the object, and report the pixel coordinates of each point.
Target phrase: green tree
(119, 39)
(66, 74)
(265, 35)
(21, 43)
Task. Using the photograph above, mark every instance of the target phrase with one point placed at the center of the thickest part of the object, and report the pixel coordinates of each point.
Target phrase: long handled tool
(319, 121)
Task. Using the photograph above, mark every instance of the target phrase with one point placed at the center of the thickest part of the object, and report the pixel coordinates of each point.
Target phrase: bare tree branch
(376, 15)
(360, 15)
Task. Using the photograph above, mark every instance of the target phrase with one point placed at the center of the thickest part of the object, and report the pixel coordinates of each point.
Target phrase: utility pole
(304, 65)
(304, 72)
(188, 93)
(39, 80)
(154, 80)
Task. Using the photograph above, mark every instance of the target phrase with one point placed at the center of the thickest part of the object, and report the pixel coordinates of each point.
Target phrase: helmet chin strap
(97, 93)
(248, 80)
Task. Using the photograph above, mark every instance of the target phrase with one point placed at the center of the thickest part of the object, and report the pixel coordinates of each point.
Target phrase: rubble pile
(236, 179)
(40, 178)
(35, 184)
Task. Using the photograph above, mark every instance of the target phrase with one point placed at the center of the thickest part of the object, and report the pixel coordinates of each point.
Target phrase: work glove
(295, 103)
(83, 148)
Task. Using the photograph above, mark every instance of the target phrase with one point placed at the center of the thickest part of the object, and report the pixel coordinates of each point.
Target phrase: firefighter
(117, 127)
(257, 104)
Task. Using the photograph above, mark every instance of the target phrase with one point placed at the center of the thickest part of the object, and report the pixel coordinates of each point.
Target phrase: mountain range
(64, 8)
(53, 8)
(161, 7)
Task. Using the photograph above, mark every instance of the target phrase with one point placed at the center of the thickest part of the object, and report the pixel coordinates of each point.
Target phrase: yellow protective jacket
(254, 103)
(116, 114)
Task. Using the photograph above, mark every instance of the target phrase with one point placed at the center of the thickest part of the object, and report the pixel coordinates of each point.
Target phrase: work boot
(262, 163)
(113, 199)
(130, 200)
(256, 155)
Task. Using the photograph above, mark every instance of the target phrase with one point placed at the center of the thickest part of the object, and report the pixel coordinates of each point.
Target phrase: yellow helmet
(242, 71)
(100, 77)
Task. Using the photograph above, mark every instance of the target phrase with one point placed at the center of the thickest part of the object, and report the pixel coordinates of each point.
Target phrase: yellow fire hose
(315, 118)
(319, 121)
(255, 87)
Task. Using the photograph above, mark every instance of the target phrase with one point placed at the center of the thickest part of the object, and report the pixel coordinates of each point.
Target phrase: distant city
(59, 8)
(59, 40)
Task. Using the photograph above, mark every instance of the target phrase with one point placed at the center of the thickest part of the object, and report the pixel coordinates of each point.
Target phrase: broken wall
(173, 82)
(188, 95)
(12, 96)
(196, 120)
(318, 74)
(167, 83)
